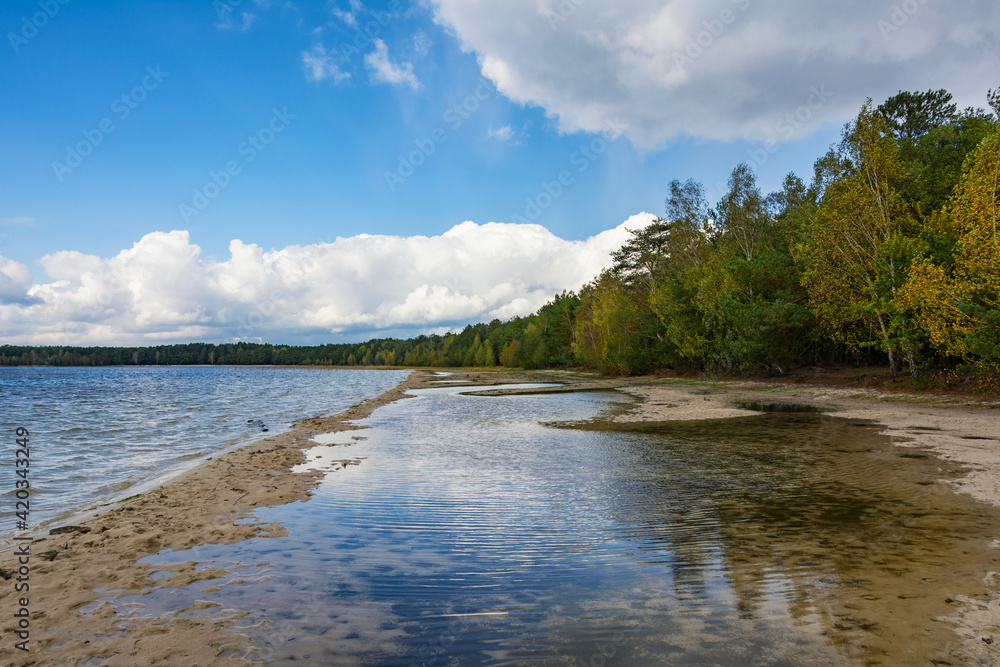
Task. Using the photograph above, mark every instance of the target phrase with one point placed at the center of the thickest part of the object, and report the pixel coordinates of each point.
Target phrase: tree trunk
(893, 357)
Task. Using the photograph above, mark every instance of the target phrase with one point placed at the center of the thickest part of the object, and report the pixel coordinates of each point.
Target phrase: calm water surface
(96, 433)
(472, 534)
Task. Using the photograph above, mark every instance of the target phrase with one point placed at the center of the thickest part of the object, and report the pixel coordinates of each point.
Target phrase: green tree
(861, 244)
(682, 327)
(749, 295)
(639, 261)
(742, 217)
(910, 115)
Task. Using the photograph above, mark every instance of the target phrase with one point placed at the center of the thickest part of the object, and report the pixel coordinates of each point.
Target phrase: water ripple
(117, 426)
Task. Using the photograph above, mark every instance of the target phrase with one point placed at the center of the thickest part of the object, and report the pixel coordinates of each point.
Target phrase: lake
(473, 531)
(108, 432)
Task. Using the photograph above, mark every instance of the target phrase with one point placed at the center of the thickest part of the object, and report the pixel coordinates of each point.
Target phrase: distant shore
(71, 570)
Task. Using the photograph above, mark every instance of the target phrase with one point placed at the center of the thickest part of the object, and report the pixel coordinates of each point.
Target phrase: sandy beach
(97, 559)
(80, 569)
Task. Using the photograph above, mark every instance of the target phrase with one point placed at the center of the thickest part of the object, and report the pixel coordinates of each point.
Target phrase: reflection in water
(470, 534)
(826, 515)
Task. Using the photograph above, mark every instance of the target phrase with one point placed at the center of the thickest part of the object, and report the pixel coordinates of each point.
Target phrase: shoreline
(959, 431)
(202, 505)
(91, 464)
(171, 472)
(97, 559)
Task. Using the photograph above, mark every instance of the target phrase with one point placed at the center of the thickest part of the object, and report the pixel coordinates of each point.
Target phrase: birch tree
(861, 244)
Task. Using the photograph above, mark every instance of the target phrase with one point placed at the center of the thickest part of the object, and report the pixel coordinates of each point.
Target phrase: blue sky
(225, 96)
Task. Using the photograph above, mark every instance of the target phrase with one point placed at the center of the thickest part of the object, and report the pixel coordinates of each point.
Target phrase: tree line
(890, 254)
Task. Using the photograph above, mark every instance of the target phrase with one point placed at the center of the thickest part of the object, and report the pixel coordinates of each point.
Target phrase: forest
(889, 255)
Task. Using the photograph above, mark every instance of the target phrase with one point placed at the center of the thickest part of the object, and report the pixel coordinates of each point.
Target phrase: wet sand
(73, 571)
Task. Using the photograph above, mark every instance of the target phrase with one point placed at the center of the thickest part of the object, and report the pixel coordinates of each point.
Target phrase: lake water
(99, 433)
(473, 534)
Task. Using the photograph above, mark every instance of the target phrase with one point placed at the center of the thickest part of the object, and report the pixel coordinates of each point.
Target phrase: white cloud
(15, 281)
(162, 289)
(505, 133)
(20, 220)
(384, 70)
(350, 17)
(733, 68)
(320, 65)
(346, 17)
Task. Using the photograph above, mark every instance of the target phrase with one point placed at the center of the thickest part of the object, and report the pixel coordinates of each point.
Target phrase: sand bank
(963, 431)
(76, 574)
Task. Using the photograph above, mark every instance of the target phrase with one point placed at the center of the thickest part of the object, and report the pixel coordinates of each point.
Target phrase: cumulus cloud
(384, 70)
(321, 65)
(15, 281)
(724, 69)
(163, 289)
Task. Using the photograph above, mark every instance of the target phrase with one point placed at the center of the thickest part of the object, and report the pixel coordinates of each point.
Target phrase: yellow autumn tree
(960, 305)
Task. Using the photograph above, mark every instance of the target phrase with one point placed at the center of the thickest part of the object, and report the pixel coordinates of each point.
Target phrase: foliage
(959, 303)
(861, 243)
(910, 115)
(890, 254)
